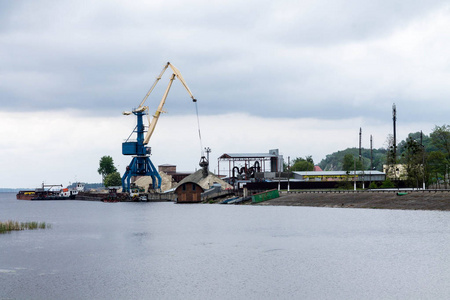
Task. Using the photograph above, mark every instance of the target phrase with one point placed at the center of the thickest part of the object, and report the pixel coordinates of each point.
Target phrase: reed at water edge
(9, 226)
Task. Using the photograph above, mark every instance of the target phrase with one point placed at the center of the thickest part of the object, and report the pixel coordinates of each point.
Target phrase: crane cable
(199, 133)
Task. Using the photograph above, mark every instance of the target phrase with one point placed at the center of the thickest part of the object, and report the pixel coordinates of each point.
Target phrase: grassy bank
(9, 226)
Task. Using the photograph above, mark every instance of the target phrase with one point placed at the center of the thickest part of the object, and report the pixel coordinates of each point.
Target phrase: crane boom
(177, 74)
(154, 84)
(154, 121)
(152, 124)
(141, 165)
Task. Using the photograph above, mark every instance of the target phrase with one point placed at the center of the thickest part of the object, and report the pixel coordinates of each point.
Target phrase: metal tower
(140, 165)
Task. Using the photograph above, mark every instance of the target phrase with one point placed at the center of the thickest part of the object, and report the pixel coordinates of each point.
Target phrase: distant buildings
(339, 176)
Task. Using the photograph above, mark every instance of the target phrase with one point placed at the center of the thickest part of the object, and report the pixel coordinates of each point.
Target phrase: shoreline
(413, 200)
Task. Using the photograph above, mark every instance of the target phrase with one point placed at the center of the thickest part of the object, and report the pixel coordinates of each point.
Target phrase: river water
(100, 250)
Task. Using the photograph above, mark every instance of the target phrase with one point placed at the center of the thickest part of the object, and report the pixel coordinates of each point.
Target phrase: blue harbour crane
(141, 165)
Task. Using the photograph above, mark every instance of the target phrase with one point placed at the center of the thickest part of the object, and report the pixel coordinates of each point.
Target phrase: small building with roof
(359, 175)
(190, 189)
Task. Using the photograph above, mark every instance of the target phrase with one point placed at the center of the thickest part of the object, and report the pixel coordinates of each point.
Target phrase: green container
(264, 196)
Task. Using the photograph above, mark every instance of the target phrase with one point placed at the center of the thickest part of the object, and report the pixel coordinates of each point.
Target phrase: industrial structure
(374, 176)
(141, 165)
(245, 165)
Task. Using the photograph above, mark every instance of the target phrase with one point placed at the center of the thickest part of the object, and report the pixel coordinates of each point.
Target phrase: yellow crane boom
(141, 107)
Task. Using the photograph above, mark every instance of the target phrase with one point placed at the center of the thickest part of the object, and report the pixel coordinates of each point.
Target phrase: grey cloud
(105, 57)
(335, 22)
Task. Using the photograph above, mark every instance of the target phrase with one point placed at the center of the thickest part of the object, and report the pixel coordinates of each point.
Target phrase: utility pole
(371, 161)
(394, 146)
(360, 133)
(394, 119)
(360, 157)
(423, 160)
(289, 172)
(371, 154)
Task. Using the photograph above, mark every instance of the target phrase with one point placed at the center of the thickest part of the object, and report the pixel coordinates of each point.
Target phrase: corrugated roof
(204, 182)
(331, 173)
(247, 155)
(194, 177)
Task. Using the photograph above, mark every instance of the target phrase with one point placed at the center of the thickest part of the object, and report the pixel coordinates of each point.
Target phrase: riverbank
(413, 200)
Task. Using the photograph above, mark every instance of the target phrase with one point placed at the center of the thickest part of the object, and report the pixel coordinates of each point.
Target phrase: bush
(387, 184)
(373, 185)
(113, 179)
(345, 185)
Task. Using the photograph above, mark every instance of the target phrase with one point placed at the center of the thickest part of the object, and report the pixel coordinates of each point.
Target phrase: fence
(311, 185)
(264, 196)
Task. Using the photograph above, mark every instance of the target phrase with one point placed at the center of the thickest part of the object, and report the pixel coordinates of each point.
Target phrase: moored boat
(26, 195)
(46, 192)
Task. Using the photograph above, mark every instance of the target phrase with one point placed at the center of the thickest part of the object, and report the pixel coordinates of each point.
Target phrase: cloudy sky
(300, 76)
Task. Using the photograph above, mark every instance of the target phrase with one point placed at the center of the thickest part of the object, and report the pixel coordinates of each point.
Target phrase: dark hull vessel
(43, 194)
(39, 195)
(25, 195)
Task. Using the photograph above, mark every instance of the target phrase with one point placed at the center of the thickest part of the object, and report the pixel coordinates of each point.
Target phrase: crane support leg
(141, 166)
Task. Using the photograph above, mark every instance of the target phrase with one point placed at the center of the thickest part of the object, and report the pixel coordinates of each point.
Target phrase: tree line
(426, 158)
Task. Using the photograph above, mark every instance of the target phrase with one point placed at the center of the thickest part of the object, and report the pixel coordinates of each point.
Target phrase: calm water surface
(100, 250)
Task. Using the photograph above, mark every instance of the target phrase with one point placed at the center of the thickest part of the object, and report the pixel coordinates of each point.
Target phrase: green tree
(348, 163)
(413, 158)
(113, 179)
(335, 161)
(440, 138)
(106, 166)
(419, 137)
(303, 164)
(437, 167)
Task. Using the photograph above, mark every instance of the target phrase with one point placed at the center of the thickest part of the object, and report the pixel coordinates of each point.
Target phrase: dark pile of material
(422, 200)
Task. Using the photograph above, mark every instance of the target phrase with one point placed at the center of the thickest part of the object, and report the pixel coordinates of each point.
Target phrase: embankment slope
(415, 200)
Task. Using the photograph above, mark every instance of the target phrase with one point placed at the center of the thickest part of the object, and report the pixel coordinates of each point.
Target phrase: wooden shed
(189, 192)
(190, 189)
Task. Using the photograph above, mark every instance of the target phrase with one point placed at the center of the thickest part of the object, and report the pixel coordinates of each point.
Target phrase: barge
(46, 192)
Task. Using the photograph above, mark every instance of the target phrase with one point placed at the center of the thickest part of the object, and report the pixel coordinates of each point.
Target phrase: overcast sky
(300, 76)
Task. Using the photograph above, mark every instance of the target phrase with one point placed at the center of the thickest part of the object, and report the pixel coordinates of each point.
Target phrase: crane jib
(141, 164)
